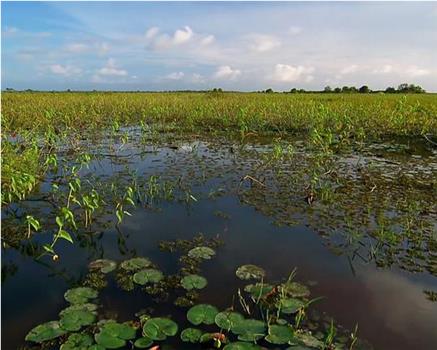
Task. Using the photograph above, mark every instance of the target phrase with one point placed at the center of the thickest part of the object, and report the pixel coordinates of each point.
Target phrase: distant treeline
(403, 88)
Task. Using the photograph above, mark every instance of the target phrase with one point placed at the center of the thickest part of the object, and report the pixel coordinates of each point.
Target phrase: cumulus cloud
(182, 36)
(263, 43)
(288, 73)
(65, 70)
(385, 69)
(349, 69)
(226, 72)
(151, 32)
(175, 76)
(414, 71)
(111, 69)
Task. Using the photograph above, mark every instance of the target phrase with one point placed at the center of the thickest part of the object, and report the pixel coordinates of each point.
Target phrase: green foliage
(160, 328)
(228, 319)
(280, 334)
(135, 264)
(45, 331)
(102, 265)
(201, 253)
(194, 282)
(148, 276)
(80, 295)
(191, 335)
(247, 272)
(202, 313)
(77, 341)
(113, 335)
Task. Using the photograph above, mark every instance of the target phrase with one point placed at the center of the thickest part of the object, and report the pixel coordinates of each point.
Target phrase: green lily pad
(96, 347)
(46, 331)
(242, 346)
(295, 290)
(202, 313)
(159, 328)
(248, 272)
(74, 320)
(135, 264)
(280, 334)
(87, 307)
(194, 282)
(249, 329)
(80, 295)
(77, 341)
(308, 340)
(227, 319)
(191, 335)
(143, 342)
(113, 335)
(258, 290)
(148, 276)
(201, 253)
(290, 305)
(102, 265)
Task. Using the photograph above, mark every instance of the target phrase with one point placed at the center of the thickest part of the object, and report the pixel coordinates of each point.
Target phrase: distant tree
(10, 89)
(390, 90)
(364, 89)
(293, 90)
(337, 90)
(269, 91)
(410, 88)
(327, 89)
(301, 91)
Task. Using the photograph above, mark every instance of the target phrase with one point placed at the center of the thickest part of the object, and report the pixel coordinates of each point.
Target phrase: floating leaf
(96, 347)
(295, 290)
(148, 276)
(80, 295)
(102, 265)
(143, 342)
(74, 320)
(191, 335)
(46, 331)
(113, 335)
(227, 319)
(247, 272)
(202, 313)
(280, 334)
(77, 341)
(242, 346)
(135, 264)
(290, 305)
(201, 253)
(88, 307)
(258, 290)
(109, 341)
(160, 328)
(249, 330)
(308, 340)
(194, 282)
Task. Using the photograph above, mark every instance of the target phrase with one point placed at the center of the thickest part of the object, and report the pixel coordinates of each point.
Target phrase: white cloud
(77, 48)
(110, 69)
(288, 73)
(385, 69)
(182, 36)
(294, 30)
(263, 43)
(226, 72)
(175, 76)
(349, 69)
(65, 70)
(152, 32)
(208, 40)
(414, 71)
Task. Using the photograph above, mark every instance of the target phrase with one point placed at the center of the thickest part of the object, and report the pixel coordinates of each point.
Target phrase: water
(387, 302)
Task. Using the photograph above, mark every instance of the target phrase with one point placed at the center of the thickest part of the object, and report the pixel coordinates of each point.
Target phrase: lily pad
(46, 331)
(80, 295)
(308, 340)
(248, 272)
(295, 290)
(74, 320)
(160, 328)
(249, 329)
(202, 313)
(228, 319)
(194, 282)
(290, 305)
(191, 335)
(102, 265)
(242, 346)
(143, 342)
(113, 335)
(135, 264)
(258, 290)
(148, 276)
(77, 341)
(201, 253)
(88, 307)
(280, 334)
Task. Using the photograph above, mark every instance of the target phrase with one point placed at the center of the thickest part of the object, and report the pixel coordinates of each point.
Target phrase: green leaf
(295, 290)
(143, 342)
(74, 320)
(228, 319)
(289, 305)
(201, 253)
(148, 276)
(108, 340)
(135, 264)
(80, 295)
(202, 313)
(242, 346)
(280, 334)
(160, 328)
(102, 265)
(194, 282)
(77, 341)
(65, 235)
(46, 331)
(249, 330)
(191, 335)
(247, 272)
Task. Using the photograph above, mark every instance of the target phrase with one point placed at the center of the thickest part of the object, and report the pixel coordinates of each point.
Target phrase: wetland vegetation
(218, 220)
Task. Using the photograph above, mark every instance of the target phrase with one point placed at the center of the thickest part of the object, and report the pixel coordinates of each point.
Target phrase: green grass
(349, 115)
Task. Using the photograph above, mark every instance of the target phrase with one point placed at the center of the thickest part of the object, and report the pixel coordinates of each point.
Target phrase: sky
(232, 45)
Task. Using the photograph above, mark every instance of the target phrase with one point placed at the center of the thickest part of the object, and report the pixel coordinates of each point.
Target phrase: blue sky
(239, 46)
